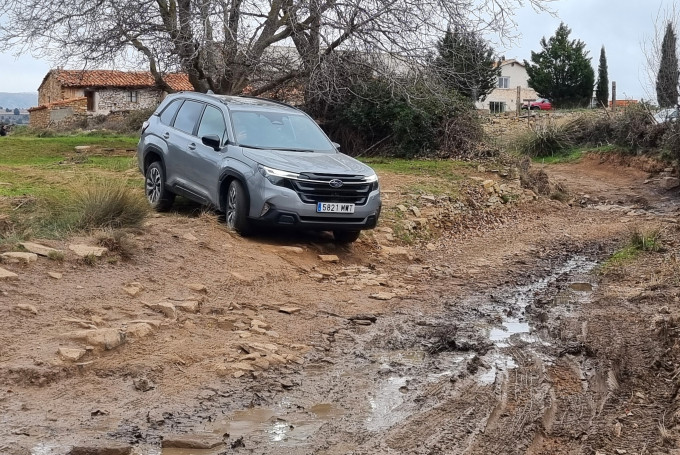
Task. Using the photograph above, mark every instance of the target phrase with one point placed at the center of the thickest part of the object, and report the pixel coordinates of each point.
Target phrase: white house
(504, 97)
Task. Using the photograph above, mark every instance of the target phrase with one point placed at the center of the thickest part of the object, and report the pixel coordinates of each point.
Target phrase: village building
(65, 94)
(504, 97)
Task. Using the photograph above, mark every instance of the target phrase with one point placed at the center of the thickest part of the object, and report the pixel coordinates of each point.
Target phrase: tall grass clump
(110, 206)
(544, 140)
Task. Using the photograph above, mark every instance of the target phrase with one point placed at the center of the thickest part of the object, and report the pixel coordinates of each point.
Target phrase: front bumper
(282, 218)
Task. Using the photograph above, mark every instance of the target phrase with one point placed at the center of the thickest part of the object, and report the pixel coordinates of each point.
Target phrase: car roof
(243, 102)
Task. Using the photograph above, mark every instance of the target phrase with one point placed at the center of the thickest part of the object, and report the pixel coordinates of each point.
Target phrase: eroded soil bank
(507, 337)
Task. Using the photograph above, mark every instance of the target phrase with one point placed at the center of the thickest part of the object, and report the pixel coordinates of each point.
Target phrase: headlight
(276, 176)
(371, 178)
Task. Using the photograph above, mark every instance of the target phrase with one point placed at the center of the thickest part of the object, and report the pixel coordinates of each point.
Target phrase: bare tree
(229, 46)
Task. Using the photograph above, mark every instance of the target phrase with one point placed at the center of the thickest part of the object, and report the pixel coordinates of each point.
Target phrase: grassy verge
(639, 242)
(48, 189)
(447, 169)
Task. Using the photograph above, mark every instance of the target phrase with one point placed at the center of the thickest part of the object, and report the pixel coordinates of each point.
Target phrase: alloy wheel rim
(153, 185)
(231, 207)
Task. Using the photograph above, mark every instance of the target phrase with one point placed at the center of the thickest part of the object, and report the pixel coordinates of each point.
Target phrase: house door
(90, 101)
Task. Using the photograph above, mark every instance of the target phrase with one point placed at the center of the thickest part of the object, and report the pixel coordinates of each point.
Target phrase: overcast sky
(620, 25)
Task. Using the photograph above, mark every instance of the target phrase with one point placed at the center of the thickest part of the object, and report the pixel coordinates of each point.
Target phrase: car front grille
(354, 189)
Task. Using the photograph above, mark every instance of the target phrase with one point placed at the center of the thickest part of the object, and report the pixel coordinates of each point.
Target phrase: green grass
(434, 168)
(43, 181)
(640, 241)
(570, 156)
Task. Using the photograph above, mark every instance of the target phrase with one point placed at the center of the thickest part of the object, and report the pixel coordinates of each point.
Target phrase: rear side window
(212, 123)
(188, 116)
(169, 112)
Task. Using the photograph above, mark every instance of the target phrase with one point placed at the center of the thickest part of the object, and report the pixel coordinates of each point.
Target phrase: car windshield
(279, 131)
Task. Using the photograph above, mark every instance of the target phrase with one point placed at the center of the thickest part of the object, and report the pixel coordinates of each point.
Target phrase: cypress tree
(667, 78)
(602, 90)
(562, 71)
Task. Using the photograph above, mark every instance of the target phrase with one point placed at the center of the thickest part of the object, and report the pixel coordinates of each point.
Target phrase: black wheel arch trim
(230, 174)
(155, 151)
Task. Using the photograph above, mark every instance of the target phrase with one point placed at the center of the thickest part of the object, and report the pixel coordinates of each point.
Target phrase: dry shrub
(110, 206)
(118, 241)
(536, 180)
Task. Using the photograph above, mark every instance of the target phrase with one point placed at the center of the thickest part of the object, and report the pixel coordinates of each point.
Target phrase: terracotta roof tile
(112, 78)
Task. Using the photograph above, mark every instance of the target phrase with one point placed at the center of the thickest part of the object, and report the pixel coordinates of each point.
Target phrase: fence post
(613, 96)
(519, 102)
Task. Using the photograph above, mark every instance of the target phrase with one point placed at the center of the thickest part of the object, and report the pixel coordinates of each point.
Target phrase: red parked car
(540, 104)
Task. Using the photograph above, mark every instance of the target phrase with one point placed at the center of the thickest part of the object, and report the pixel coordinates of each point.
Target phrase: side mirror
(336, 145)
(212, 141)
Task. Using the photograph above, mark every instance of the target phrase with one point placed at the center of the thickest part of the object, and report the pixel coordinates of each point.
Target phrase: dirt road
(505, 337)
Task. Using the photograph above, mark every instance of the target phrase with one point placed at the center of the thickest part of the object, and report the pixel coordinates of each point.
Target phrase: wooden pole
(613, 96)
(519, 101)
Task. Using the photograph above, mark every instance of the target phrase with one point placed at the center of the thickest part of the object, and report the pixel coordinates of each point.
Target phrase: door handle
(166, 135)
(192, 146)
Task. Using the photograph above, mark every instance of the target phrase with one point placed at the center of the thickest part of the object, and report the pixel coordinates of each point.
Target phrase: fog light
(265, 209)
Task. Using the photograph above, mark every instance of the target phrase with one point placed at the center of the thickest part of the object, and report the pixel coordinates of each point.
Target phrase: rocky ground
(500, 328)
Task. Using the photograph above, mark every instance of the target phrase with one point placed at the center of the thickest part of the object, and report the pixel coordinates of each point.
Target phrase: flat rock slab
(55, 275)
(329, 258)
(112, 448)
(197, 287)
(383, 296)
(289, 309)
(40, 250)
(87, 250)
(293, 249)
(71, 354)
(189, 306)
(16, 257)
(167, 308)
(103, 338)
(191, 441)
(133, 289)
(27, 307)
(7, 275)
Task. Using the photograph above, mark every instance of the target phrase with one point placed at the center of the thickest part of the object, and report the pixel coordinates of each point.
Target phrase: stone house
(67, 93)
(504, 97)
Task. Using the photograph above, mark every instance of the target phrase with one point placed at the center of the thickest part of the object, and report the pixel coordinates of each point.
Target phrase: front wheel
(236, 210)
(346, 236)
(158, 195)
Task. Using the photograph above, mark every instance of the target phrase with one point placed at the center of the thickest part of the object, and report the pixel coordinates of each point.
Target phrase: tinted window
(188, 116)
(169, 112)
(212, 123)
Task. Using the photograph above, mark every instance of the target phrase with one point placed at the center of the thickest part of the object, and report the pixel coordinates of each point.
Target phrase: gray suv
(259, 161)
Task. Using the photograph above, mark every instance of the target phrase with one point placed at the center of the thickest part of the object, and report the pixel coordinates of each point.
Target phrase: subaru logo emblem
(335, 183)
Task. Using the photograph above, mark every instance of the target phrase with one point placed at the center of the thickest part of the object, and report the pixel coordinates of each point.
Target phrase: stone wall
(59, 114)
(50, 91)
(112, 100)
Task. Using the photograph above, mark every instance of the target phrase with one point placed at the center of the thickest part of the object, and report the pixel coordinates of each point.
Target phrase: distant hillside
(20, 100)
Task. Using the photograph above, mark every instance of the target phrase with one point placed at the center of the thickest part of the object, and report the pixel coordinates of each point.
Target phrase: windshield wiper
(282, 149)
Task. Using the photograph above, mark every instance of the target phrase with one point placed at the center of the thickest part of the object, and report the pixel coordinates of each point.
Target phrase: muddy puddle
(377, 388)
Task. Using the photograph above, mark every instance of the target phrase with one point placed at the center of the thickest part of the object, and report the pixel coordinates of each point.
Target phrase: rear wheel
(158, 195)
(236, 208)
(346, 236)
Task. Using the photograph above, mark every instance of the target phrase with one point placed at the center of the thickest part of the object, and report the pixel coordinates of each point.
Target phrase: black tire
(346, 236)
(535, 108)
(158, 195)
(236, 209)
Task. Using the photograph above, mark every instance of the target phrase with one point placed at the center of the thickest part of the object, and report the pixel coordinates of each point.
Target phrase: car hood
(321, 163)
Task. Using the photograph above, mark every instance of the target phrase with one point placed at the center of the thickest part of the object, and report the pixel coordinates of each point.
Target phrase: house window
(496, 107)
(133, 96)
(503, 82)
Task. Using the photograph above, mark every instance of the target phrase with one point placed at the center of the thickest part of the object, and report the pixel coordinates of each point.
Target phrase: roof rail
(271, 101)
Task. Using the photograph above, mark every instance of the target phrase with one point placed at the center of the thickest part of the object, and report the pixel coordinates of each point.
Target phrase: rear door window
(188, 115)
(212, 123)
(169, 112)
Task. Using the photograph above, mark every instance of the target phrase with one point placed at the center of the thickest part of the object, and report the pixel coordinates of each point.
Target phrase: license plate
(334, 207)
